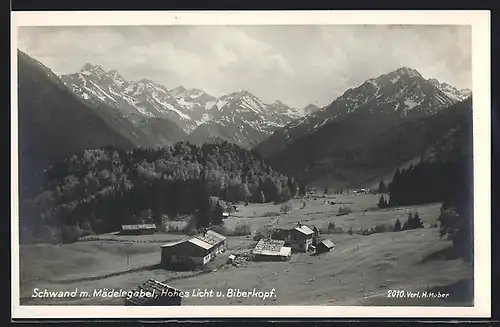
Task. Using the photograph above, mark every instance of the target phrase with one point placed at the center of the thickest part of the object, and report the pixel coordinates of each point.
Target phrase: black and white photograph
(230, 162)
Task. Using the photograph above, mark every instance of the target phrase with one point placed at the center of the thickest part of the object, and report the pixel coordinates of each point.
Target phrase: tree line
(101, 189)
(449, 182)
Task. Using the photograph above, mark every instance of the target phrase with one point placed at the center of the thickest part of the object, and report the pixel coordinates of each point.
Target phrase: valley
(358, 271)
(99, 152)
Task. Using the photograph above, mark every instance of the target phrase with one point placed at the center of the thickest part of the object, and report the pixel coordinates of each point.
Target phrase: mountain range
(366, 132)
(238, 117)
(54, 123)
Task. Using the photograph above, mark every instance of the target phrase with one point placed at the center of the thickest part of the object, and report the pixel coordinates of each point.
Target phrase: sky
(298, 65)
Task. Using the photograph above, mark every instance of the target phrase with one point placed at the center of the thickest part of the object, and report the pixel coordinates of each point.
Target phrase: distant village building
(140, 229)
(154, 293)
(301, 238)
(194, 252)
(271, 250)
(324, 246)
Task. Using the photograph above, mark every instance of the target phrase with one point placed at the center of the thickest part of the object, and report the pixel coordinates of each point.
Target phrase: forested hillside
(98, 190)
(444, 175)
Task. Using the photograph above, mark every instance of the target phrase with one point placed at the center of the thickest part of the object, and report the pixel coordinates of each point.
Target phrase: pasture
(360, 270)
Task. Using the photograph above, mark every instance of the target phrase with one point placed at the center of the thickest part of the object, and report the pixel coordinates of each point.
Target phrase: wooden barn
(324, 246)
(271, 250)
(194, 252)
(154, 293)
(301, 238)
(140, 229)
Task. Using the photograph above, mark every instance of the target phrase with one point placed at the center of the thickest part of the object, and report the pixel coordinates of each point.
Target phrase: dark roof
(149, 286)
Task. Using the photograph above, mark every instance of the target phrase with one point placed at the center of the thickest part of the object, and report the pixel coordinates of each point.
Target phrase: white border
(480, 22)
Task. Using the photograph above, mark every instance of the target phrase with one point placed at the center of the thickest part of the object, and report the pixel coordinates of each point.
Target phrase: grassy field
(360, 270)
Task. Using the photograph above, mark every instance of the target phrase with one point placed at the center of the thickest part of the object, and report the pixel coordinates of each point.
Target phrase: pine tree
(397, 226)
(382, 188)
(417, 222)
(382, 203)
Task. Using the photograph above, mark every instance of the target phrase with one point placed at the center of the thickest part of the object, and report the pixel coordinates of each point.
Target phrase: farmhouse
(271, 250)
(301, 238)
(324, 246)
(154, 293)
(196, 251)
(140, 229)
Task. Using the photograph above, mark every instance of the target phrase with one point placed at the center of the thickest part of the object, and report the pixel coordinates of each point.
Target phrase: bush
(380, 228)
(270, 214)
(285, 208)
(223, 230)
(413, 222)
(343, 210)
(242, 230)
(261, 233)
(70, 234)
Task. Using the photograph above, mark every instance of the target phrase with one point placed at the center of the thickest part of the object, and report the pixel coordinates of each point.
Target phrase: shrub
(242, 230)
(261, 233)
(223, 230)
(343, 210)
(413, 222)
(70, 234)
(380, 228)
(285, 208)
(270, 214)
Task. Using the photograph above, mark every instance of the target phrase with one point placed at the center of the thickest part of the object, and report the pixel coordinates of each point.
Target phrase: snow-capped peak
(450, 91)
(89, 68)
(405, 71)
(178, 91)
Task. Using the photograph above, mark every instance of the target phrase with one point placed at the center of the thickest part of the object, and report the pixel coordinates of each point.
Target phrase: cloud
(295, 64)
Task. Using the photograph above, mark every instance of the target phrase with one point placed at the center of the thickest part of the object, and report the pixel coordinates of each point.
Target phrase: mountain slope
(242, 118)
(136, 101)
(397, 96)
(53, 123)
(358, 151)
(238, 117)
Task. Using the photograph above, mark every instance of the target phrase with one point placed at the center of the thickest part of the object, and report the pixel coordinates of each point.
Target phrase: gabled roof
(304, 230)
(206, 242)
(173, 243)
(202, 244)
(327, 243)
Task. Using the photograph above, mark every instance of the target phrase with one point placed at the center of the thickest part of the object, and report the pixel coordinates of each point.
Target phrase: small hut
(140, 229)
(197, 251)
(271, 250)
(324, 246)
